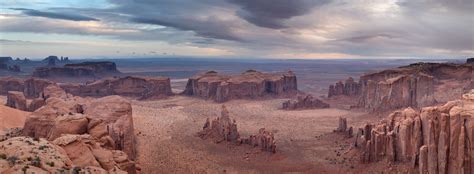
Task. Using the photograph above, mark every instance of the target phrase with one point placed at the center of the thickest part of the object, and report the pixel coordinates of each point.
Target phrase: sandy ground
(305, 143)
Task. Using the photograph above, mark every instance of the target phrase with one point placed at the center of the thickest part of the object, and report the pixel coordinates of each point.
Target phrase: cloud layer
(264, 28)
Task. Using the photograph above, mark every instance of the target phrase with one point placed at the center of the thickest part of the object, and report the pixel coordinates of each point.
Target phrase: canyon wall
(141, 87)
(437, 139)
(415, 85)
(84, 69)
(250, 84)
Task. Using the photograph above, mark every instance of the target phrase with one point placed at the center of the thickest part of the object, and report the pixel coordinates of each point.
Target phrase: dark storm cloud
(55, 15)
(211, 27)
(273, 13)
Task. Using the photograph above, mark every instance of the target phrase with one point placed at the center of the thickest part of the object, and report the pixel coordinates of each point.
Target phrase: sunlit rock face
(250, 84)
(416, 85)
(438, 139)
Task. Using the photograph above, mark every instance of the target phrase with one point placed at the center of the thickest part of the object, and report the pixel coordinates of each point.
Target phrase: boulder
(17, 100)
(248, 85)
(307, 102)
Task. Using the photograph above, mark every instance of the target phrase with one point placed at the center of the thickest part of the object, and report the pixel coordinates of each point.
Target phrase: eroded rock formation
(438, 139)
(102, 127)
(223, 128)
(250, 84)
(307, 102)
(141, 87)
(415, 85)
(343, 128)
(16, 99)
(349, 88)
(398, 92)
(84, 69)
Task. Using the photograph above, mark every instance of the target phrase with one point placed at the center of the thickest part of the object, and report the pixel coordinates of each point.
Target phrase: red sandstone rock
(349, 88)
(307, 102)
(342, 128)
(440, 136)
(84, 69)
(36, 104)
(34, 87)
(141, 87)
(16, 99)
(224, 129)
(250, 84)
(407, 86)
(10, 84)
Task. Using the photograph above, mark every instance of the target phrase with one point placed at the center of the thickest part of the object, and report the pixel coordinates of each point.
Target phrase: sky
(300, 29)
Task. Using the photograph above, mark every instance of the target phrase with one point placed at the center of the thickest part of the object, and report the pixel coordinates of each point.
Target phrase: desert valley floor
(167, 141)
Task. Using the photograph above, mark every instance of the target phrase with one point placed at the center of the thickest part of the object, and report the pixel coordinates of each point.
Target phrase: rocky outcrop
(224, 129)
(107, 121)
(140, 87)
(407, 86)
(10, 84)
(248, 85)
(34, 87)
(66, 154)
(438, 139)
(17, 100)
(349, 88)
(307, 102)
(84, 69)
(470, 60)
(343, 128)
(398, 92)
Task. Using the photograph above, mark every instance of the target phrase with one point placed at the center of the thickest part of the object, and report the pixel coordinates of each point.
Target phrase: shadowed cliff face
(84, 69)
(250, 84)
(415, 85)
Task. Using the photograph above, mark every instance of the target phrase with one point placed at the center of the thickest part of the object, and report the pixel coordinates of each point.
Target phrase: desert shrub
(12, 160)
(3, 156)
(36, 162)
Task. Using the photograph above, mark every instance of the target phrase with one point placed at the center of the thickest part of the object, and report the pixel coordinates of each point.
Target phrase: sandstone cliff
(437, 139)
(250, 84)
(349, 88)
(416, 85)
(31, 87)
(141, 87)
(84, 69)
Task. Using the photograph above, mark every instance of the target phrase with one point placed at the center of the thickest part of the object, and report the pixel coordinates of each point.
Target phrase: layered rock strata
(108, 128)
(307, 102)
(414, 85)
(31, 87)
(140, 87)
(223, 128)
(437, 139)
(84, 69)
(248, 85)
